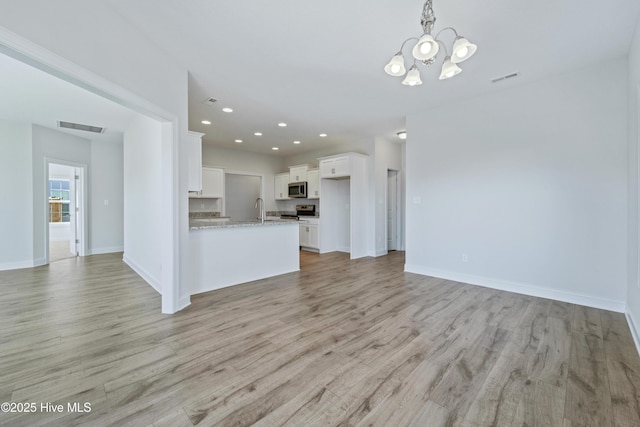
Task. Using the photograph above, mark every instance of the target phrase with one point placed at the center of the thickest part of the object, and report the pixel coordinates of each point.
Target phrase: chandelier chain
(428, 17)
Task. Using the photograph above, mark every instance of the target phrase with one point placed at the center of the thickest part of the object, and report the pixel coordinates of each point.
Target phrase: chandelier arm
(447, 28)
(441, 43)
(405, 42)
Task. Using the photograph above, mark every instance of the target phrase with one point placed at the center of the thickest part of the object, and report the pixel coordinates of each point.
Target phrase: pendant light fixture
(426, 51)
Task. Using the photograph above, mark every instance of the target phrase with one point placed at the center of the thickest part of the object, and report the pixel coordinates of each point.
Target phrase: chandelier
(426, 50)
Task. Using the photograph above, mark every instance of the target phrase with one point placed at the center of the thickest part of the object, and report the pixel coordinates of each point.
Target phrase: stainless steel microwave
(298, 190)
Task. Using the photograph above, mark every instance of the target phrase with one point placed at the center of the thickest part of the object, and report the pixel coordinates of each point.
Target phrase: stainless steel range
(301, 210)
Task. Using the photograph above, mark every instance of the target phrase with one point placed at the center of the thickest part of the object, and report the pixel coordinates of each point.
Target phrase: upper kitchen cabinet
(313, 184)
(194, 161)
(212, 183)
(281, 189)
(335, 166)
(298, 173)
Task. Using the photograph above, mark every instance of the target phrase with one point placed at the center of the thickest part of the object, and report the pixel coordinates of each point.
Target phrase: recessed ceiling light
(282, 125)
(402, 134)
(323, 135)
(239, 141)
(296, 142)
(275, 148)
(205, 122)
(258, 134)
(227, 110)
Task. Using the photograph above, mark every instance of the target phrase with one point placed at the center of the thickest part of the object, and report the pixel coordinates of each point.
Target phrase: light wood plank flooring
(339, 343)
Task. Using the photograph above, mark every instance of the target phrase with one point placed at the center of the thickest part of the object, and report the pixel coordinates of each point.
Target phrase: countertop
(201, 224)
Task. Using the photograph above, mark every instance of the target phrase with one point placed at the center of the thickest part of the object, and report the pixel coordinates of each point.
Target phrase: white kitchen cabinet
(194, 161)
(313, 184)
(212, 183)
(281, 189)
(298, 173)
(309, 233)
(335, 167)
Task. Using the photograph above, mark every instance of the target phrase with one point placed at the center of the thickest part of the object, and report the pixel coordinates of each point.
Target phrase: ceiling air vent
(505, 77)
(210, 101)
(78, 126)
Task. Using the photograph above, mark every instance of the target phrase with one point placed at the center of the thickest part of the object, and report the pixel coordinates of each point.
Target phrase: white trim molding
(633, 327)
(22, 264)
(152, 281)
(107, 250)
(521, 288)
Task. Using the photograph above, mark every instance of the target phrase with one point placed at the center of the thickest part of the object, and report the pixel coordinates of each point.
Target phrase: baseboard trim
(184, 302)
(19, 265)
(634, 329)
(520, 288)
(153, 282)
(107, 250)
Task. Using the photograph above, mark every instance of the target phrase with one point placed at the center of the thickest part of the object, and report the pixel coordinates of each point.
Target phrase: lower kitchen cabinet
(309, 234)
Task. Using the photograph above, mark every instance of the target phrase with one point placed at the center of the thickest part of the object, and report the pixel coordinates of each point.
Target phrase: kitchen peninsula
(229, 253)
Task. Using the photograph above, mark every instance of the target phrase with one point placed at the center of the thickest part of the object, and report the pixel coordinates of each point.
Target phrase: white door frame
(398, 210)
(81, 219)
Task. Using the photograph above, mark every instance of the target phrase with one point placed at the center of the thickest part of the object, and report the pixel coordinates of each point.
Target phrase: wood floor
(339, 343)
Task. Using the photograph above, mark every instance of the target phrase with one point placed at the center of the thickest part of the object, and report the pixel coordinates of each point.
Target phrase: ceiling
(318, 66)
(33, 96)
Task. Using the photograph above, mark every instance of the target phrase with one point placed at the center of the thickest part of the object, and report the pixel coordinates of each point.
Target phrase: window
(59, 192)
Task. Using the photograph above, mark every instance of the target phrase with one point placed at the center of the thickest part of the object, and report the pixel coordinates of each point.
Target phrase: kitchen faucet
(260, 205)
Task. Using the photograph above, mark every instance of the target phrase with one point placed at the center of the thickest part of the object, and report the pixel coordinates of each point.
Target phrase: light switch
(417, 200)
(106, 202)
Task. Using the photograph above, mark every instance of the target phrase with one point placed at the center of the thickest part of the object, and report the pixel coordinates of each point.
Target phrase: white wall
(633, 100)
(16, 218)
(529, 182)
(143, 198)
(106, 226)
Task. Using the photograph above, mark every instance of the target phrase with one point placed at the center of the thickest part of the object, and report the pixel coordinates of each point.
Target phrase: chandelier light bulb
(426, 48)
(449, 69)
(463, 49)
(395, 67)
(413, 77)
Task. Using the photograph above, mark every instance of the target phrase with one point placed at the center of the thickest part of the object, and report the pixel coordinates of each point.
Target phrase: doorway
(394, 219)
(241, 192)
(65, 211)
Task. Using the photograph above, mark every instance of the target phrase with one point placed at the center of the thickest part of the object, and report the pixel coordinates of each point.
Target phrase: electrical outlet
(465, 258)
(417, 200)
